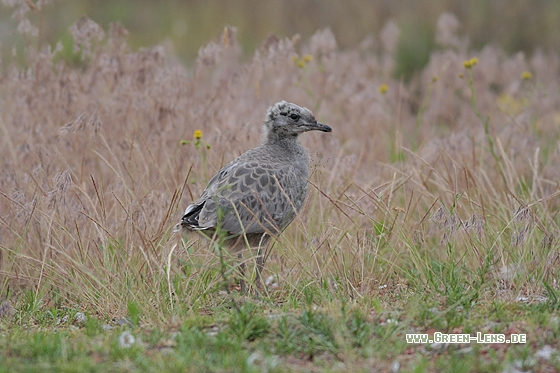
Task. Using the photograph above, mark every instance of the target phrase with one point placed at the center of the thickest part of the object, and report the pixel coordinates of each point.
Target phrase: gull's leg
(261, 259)
(241, 272)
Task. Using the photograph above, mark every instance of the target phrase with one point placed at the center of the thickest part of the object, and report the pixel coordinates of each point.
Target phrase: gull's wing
(248, 197)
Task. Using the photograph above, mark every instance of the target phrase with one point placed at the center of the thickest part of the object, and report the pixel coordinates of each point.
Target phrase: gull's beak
(320, 127)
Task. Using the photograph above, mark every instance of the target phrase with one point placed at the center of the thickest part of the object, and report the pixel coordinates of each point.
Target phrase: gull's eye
(294, 117)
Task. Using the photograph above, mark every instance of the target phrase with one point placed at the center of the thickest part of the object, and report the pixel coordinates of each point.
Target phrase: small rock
(439, 345)
(6, 309)
(546, 352)
(213, 331)
(255, 359)
(512, 369)
(465, 350)
(166, 350)
(122, 321)
(340, 367)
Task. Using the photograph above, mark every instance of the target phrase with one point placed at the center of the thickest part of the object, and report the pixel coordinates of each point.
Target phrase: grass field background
(433, 205)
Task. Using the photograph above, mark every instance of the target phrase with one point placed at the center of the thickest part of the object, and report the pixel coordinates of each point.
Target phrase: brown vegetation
(460, 163)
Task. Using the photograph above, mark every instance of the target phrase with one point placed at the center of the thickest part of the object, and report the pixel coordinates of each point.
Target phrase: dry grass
(457, 166)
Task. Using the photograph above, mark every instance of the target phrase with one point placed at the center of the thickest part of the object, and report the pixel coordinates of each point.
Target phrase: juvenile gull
(254, 196)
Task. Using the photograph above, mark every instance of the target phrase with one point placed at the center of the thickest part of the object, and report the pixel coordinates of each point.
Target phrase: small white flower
(271, 282)
(79, 318)
(126, 339)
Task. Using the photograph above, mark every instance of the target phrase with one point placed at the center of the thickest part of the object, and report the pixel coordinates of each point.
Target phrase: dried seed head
(447, 27)
(84, 31)
(62, 181)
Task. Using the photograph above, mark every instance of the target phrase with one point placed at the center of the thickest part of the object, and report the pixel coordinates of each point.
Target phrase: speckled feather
(257, 192)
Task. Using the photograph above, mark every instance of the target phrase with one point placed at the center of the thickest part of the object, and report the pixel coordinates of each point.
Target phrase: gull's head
(285, 119)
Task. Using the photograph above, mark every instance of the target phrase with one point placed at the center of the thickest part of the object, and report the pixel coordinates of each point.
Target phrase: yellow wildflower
(526, 75)
(434, 79)
(197, 134)
(301, 62)
(509, 105)
(461, 76)
(470, 63)
(383, 88)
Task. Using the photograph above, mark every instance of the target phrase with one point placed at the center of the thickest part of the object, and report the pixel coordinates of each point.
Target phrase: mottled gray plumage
(254, 195)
